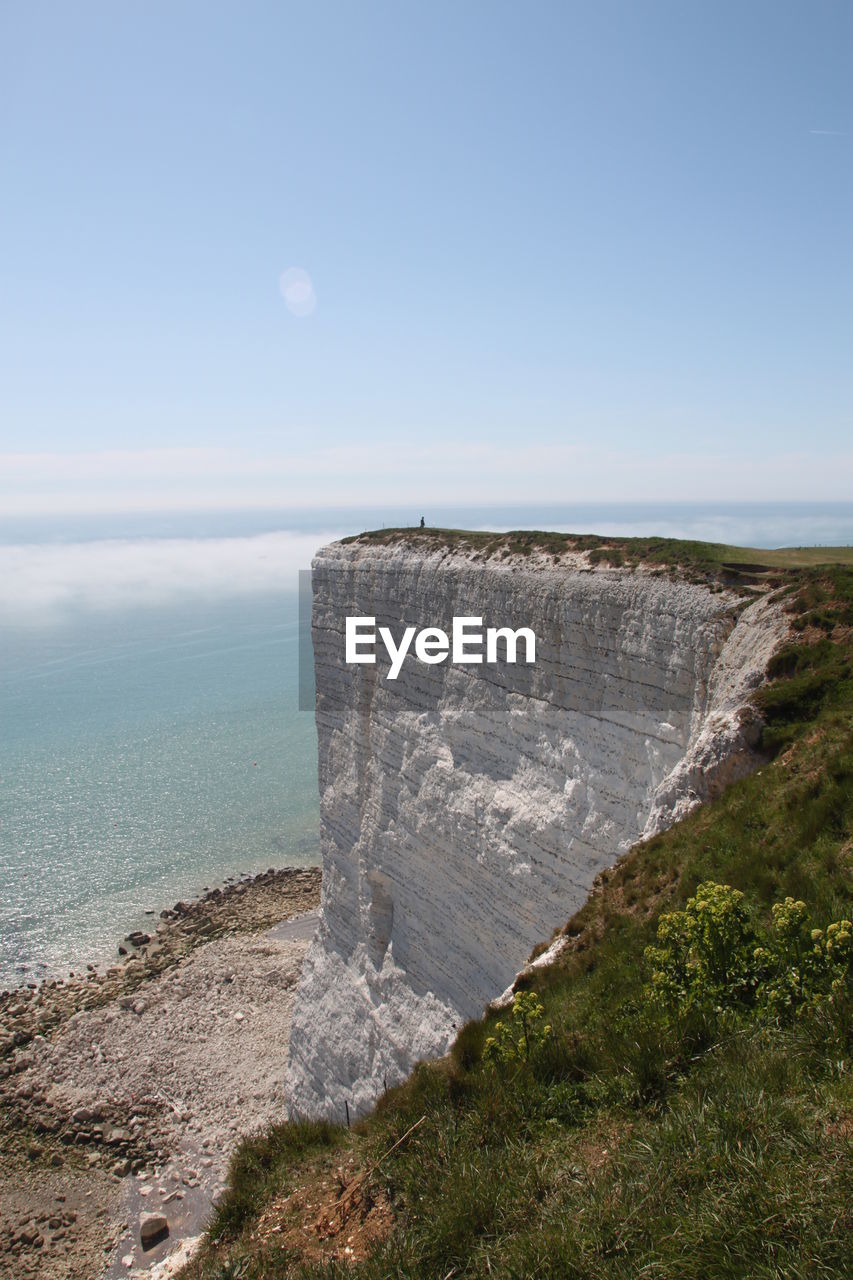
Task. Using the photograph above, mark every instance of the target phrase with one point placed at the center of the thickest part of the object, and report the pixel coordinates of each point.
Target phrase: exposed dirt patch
(598, 1146)
(841, 1128)
(335, 1215)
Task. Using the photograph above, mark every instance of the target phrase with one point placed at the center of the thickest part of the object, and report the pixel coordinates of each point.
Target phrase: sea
(151, 741)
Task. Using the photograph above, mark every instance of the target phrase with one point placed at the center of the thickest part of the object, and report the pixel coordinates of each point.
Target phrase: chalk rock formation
(466, 810)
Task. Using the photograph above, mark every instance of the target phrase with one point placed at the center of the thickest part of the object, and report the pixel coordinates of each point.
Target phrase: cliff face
(466, 809)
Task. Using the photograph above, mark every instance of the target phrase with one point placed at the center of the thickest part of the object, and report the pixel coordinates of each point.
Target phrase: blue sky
(575, 250)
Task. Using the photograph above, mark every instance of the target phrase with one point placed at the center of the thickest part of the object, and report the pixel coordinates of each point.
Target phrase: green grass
(630, 1148)
(714, 559)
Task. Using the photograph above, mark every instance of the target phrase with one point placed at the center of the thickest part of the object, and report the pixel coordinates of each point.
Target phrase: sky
(291, 254)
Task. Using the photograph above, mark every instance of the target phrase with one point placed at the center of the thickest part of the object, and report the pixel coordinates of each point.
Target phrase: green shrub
(709, 958)
(526, 1038)
(704, 953)
(803, 966)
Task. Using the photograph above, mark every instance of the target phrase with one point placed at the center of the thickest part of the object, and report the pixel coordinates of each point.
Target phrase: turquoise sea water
(150, 741)
(145, 755)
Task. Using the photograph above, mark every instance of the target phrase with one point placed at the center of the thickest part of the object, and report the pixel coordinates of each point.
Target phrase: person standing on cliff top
(422, 522)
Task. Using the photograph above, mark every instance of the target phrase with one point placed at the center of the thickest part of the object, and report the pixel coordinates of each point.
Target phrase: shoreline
(98, 950)
(124, 1091)
(34, 1008)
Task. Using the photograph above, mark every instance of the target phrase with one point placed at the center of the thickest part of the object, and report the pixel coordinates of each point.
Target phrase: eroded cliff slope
(467, 809)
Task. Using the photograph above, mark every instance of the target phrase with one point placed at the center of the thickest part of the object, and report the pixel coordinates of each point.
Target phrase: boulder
(153, 1227)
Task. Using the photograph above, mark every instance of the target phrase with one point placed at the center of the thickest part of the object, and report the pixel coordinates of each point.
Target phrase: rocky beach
(123, 1090)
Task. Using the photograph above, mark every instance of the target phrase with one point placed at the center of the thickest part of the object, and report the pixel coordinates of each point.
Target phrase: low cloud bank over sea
(42, 583)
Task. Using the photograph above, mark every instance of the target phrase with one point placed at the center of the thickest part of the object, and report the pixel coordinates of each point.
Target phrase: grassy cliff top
(705, 559)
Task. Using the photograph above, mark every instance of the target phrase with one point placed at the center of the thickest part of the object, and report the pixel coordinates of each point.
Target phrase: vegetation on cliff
(688, 1111)
(699, 561)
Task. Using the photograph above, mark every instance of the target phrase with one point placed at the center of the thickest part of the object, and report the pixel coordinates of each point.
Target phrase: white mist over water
(44, 583)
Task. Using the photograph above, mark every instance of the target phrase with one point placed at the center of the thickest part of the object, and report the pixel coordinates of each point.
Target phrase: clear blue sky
(546, 240)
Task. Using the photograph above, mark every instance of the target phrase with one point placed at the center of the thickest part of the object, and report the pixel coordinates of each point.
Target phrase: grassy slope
(671, 552)
(624, 1152)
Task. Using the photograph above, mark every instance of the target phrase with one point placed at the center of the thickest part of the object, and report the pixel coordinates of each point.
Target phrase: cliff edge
(465, 810)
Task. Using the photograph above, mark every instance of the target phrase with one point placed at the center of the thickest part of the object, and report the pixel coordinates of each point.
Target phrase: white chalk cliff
(466, 810)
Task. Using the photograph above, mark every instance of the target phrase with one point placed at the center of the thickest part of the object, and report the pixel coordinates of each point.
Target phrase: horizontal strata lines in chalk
(575, 662)
(562, 721)
(581, 687)
(392, 752)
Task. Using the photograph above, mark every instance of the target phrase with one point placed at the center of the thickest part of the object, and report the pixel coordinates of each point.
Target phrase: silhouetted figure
(422, 522)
